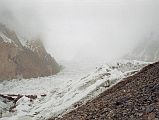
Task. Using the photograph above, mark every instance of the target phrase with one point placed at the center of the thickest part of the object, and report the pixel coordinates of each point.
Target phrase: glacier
(58, 94)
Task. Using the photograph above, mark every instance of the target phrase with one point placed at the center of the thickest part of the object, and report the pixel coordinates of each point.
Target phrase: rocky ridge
(21, 58)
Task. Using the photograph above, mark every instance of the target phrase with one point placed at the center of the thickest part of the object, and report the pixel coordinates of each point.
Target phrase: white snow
(5, 38)
(76, 83)
(25, 43)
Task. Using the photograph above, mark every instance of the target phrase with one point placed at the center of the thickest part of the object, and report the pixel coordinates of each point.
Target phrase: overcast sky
(83, 29)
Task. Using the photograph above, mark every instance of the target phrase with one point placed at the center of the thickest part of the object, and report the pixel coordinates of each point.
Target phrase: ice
(78, 82)
(5, 38)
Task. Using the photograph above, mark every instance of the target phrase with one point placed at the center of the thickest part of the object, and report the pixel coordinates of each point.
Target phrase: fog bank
(83, 29)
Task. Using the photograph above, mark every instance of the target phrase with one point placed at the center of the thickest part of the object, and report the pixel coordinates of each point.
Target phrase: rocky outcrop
(20, 58)
(134, 98)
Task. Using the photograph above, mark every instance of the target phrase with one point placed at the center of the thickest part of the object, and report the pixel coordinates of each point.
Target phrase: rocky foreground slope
(20, 58)
(134, 98)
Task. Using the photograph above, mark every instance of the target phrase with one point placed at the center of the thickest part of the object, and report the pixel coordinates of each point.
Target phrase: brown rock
(18, 61)
(151, 116)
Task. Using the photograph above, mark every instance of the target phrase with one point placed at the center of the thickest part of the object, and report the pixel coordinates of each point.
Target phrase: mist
(83, 29)
(23, 17)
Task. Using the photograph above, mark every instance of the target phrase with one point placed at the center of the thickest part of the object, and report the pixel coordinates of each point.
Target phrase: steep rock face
(147, 50)
(26, 60)
(7, 66)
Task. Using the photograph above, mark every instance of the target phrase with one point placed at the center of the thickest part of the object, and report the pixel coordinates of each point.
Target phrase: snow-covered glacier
(55, 95)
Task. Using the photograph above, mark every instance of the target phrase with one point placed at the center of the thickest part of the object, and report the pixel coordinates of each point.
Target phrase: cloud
(73, 29)
(22, 16)
(100, 29)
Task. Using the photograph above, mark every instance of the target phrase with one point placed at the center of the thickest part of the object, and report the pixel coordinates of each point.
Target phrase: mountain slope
(23, 59)
(134, 98)
(147, 50)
